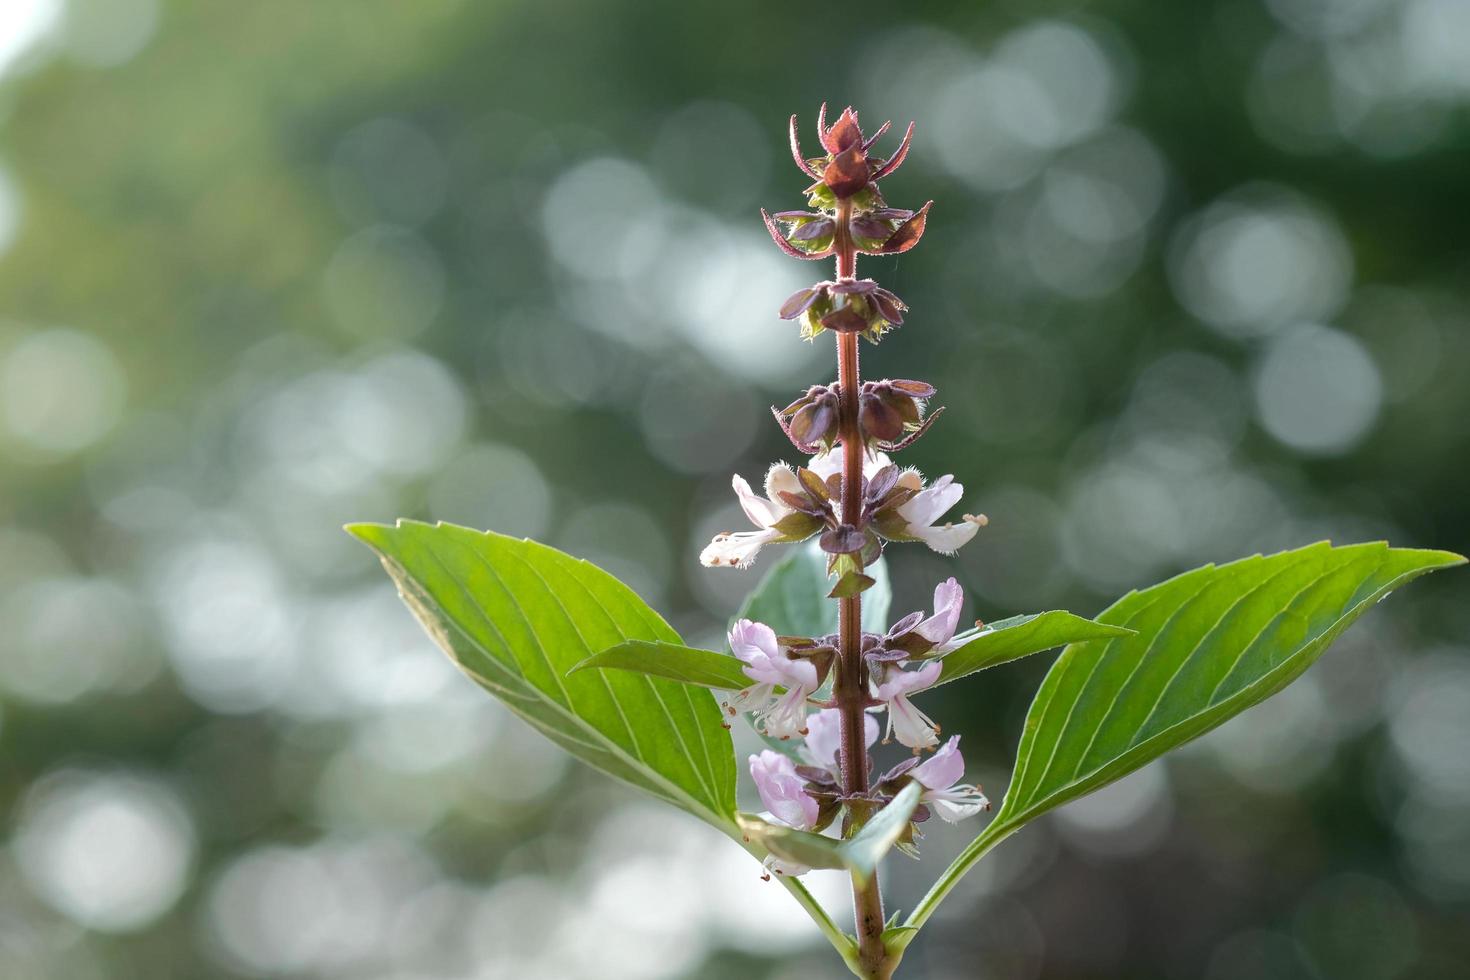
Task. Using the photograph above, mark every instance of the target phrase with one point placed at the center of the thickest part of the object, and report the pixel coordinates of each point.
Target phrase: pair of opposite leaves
(1156, 669)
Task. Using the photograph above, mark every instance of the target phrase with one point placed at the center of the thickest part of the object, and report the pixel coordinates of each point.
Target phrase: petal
(949, 599)
(930, 503)
(828, 464)
(959, 805)
(780, 479)
(874, 463)
(736, 550)
(949, 538)
(749, 640)
(796, 674)
(824, 737)
(944, 768)
(782, 790)
(762, 513)
(898, 683)
(910, 725)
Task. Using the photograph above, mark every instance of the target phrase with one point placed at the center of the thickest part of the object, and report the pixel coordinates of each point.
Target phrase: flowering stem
(850, 689)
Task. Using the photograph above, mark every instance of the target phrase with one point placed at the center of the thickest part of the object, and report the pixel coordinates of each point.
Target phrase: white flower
(780, 716)
(824, 737)
(929, 504)
(739, 548)
(905, 722)
(940, 776)
(939, 628)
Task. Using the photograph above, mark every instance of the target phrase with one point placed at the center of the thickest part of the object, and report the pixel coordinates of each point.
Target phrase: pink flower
(940, 776)
(782, 791)
(939, 628)
(929, 504)
(910, 725)
(824, 736)
(739, 548)
(780, 716)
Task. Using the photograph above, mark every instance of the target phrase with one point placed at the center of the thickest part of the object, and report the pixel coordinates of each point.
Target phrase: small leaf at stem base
(851, 584)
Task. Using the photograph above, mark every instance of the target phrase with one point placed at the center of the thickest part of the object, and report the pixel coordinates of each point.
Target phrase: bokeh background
(1195, 286)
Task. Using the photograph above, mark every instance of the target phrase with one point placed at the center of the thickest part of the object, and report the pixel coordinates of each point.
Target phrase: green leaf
(1209, 644)
(688, 665)
(860, 855)
(790, 844)
(1017, 637)
(851, 584)
(792, 597)
(881, 832)
(517, 615)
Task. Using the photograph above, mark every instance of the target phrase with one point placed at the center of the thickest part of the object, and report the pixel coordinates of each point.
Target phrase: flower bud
(812, 421)
(845, 306)
(891, 413)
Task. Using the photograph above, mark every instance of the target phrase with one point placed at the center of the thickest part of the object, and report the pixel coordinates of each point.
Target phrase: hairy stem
(850, 689)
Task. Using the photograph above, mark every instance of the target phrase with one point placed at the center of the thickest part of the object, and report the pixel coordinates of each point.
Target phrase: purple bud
(842, 540)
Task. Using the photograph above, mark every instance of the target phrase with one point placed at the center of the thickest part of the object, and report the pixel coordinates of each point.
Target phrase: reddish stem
(850, 689)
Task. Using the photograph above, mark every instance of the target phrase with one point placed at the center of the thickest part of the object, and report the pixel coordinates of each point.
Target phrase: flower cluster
(890, 416)
(896, 506)
(902, 662)
(808, 797)
(857, 306)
